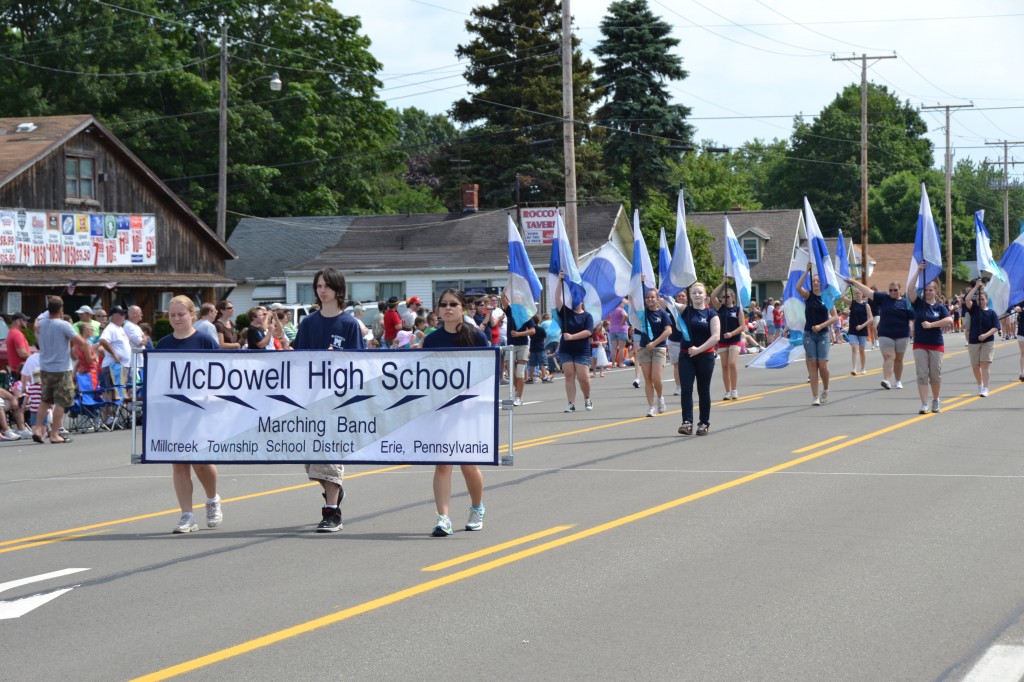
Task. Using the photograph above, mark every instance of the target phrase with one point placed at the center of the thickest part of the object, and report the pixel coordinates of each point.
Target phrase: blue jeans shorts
(581, 359)
(816, 345)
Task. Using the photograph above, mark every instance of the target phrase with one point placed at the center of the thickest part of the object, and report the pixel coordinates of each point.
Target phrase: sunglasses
(893, 289)
(454, 304)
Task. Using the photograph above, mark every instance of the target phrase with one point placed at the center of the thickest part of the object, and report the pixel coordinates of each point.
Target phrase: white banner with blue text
(337, 407)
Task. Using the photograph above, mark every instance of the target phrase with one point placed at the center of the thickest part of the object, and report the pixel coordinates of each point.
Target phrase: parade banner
(421, 406)
(94, 240)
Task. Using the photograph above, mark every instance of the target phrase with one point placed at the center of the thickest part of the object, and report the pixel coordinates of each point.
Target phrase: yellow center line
(50, 542)
(497, 548)
(429, 586)
(818, 445)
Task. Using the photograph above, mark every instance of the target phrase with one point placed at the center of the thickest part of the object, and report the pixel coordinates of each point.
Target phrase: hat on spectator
(358, 308)
(19, 316)
(84, 309)
(393, 300)
(116, 310)
(276, 306)
(415, 300)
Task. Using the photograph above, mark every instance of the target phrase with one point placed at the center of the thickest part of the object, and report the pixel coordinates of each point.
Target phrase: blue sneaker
(476, 518)
(443, 527)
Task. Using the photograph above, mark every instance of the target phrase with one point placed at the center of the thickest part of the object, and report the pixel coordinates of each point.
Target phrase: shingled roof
(778, 226)
(267, 247)
(429, 241)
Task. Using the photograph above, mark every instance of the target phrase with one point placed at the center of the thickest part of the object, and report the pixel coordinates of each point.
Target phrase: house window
(79, 177)
(388, 289)
(363, 291)
(750, 249)
(304, 293)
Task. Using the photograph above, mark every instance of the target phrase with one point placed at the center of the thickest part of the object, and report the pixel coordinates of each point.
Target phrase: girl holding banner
(893, 329)
(182, 314)
(859, 331)
(819, 321)
(930, 316)
(456, 333)
(697, 357)
(574, 348)
(984, 326)
(733, 322)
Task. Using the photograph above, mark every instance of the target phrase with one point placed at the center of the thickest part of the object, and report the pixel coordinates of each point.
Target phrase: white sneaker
(518, 401)
(824, 396)
(816, 401)
(588, 403)
(187, 523)
(679, 389)
(636, 383)
(886, 385)
(899, 384)
(213, 513)
(862, 372)
(10, 435)
(570, 408)
(924, 409)
(25, 433)
(476, 518)
(984, 392)
(661, 405)
(735, 395)
(650, 412)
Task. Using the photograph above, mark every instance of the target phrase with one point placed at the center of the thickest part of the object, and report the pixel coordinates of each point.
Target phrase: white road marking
(19, 607)
(1001, 663)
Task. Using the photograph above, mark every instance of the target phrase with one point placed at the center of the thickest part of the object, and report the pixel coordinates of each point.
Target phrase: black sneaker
(331, 522)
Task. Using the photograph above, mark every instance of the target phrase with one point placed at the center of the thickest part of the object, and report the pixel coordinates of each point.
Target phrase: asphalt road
(853, 541)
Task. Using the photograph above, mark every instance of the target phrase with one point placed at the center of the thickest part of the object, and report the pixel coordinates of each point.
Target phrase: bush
(242, 321)
(161, 328)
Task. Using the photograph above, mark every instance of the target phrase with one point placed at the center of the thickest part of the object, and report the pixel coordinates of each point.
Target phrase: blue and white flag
(682, 273)
(927, 248)
(822, 262)
(562, 261)
(737, 266)
(666, 289)
(998, 287)
(523, 288)
(779, 354)
(641, 267)
(1012, 264)
(606, 279)
(842, 258)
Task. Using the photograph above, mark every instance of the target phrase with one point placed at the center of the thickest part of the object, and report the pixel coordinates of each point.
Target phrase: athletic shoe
(25, 433)
(9, 435)
(853, 372)
(735, 395)
(862, 372)
(816, 402)
(686, 429)
(476, 518)
(824, 396)
(924, 409)
(546, 381)
(983, 392)
(443, 528)
(518, 401)
(885, 384)
(899, 384)
(661, 405)
(935, 406)
(702, 429)
(187, 523)
(588, 403)
(650, 412)
(636, 383)
(331, 522)
(213, 513)
(727, 396)
(530, 380)
(570, 408)
(679, 389)
(1021, 376)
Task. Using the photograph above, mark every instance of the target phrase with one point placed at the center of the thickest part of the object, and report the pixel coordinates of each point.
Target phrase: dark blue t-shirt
(815, 312)
(698, 322)
(981, 322)
(730, 317)
(442, 338)
(931, 338)
(573, 323)
(858, 316)
(317, 332)
(518, 340)
(197, 341)
(655, 323)
(894, 316)
(538, 339)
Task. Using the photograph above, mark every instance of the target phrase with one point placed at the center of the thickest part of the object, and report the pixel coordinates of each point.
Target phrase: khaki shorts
(981, 352)
(58, 388)
(522, 353)
(649, 355)
(332, 473)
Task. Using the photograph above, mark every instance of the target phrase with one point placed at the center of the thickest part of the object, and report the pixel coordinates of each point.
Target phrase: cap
(276, 306)
(116, 310)
(19, 316)
(358, 308)
(393, 300)
(415, 300)
(84, 309)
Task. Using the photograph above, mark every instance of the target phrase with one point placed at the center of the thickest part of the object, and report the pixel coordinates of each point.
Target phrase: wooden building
(83, 218)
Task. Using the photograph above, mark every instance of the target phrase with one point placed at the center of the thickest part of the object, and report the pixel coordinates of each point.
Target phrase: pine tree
(637, 60)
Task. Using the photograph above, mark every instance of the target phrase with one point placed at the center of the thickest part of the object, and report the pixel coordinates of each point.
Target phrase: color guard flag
(682, 272)
(1012, 264)
(563, 261)
(782, 350)
(842, 259)
(606, 279)
(927, 248)
(665, 267)
(641, 268)
(998, 287)
(523, 288)
(821, 261)
(736, 265)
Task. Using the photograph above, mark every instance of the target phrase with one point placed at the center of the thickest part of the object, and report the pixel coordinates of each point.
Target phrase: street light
(222, 166)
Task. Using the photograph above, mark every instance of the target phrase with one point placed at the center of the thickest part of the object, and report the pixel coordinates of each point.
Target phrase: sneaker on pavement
(686, 429)
(824, 396)
(735, 395)
(899, 384)
(702, 429)
(25, 433)
(476, 518)
(588, 403)
(650, 411)
(636, 383)
(443, 528)
(862, 372)
(661, 405)
(727, 396)
(984, 392)
(9, 435)
(570, 408)
(331, 521)
(936, 406)
(886, 385)
(679, 389)
(924, 409)
(853, 372)
(518, 401)
(187, 523)
(816, 401)
(213, 513)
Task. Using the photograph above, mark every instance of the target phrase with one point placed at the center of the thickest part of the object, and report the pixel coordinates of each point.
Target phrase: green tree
(714, 181)
(637, 60)
(153, 77)
(824, 161)
(513, 118)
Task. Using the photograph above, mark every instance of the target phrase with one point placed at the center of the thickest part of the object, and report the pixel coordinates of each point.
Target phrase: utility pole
(863, 155)
(568, 131)
(1006, 187)
(222, 134)
(949, 197)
